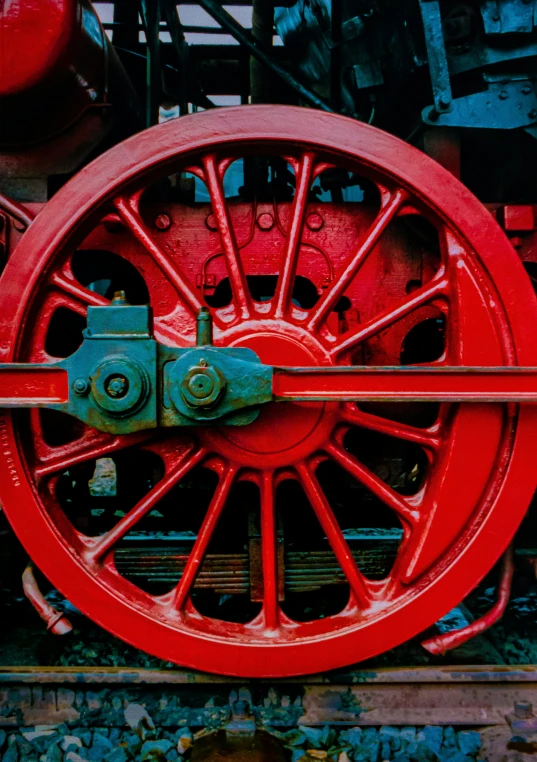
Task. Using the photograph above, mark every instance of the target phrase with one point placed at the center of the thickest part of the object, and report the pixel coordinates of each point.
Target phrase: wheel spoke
(371, 481)
(269, 552)
(436, 288)
(71, 287)
(383, 219)
(286, 281)
(195, 559)
(108, 540)
(94, 445)
(334, 535)
(424, 437)
(237, 277)
(127, 208)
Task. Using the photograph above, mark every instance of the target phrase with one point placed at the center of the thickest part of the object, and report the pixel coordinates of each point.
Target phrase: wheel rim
(477, 479)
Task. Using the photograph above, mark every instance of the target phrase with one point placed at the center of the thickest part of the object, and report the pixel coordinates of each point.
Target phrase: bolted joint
(119, 385)
(202, 385)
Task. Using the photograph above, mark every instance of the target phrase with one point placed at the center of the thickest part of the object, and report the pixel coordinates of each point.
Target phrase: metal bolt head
(503, 95)
(314, 221)
(265, 221)
(163, 221)
(201, 385)
(80, 386)
(117, 386)
(119, 299)
(526, 89)
(444, 101)
(533, 113)
(523, 710)
(211, 222)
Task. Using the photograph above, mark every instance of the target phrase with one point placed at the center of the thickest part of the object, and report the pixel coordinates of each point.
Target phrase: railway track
(456, 713)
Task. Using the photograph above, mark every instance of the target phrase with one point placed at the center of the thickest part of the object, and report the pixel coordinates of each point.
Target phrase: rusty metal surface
(476, 696)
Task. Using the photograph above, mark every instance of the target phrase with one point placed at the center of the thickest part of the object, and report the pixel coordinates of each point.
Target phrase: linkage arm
(406, 383)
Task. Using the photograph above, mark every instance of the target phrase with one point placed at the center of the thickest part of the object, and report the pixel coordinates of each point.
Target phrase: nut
(80, 386)
(202, 385)
(117, 386)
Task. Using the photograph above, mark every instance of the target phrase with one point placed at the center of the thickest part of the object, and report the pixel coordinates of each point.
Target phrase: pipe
(16, 210)
(245, 38)
(55, 620)
(442, 643)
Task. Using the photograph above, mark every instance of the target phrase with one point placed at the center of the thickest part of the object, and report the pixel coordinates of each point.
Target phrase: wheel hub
(282, 433)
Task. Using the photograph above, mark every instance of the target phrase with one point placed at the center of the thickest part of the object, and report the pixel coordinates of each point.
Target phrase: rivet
(503, 95)
(526, 89)
(211, 222)
(265, 221)
(163, 221)
(314, 221)
(533, 113)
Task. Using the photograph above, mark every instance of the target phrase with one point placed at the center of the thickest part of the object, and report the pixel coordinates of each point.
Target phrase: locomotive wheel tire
(500, 455)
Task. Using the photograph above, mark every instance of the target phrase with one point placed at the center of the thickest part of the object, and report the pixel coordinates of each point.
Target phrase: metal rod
(245, 38)
(16, 210)
(176, 31)
(204, 328)
(408, 384)
(449, 640)
(56, 622)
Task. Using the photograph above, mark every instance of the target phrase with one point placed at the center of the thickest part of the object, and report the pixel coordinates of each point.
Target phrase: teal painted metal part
(122, 380)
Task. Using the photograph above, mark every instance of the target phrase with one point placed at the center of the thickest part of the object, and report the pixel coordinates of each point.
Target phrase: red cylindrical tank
(55, 63)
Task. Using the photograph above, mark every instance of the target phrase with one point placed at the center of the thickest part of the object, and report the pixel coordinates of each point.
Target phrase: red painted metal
(40, 28)
(53, 64)
(61, 81)
(32, 385)
(449, 640)
(55, 620)
(408, 384)
(480, 475)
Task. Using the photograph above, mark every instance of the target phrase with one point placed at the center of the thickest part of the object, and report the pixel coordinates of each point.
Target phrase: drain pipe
(442, 643)
(55, 620)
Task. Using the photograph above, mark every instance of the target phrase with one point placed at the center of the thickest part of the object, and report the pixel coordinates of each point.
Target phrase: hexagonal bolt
(120, 299)
(80, 386)
(117, 386)
(202, 385)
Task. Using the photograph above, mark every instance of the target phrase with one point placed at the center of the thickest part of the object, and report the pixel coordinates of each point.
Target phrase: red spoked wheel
(283, 562)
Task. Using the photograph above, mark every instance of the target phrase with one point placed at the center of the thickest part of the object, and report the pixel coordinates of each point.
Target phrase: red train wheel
(477, 460)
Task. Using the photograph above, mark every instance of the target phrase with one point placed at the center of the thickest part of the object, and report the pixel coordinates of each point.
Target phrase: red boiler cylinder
(55, 64)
